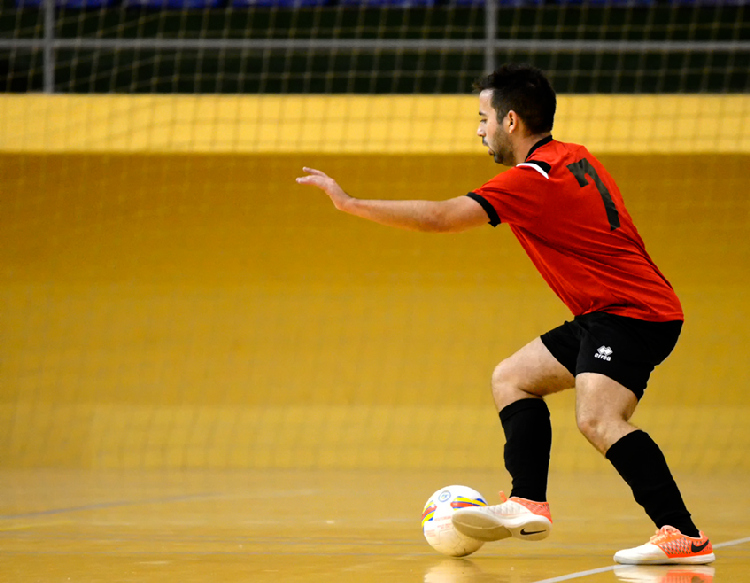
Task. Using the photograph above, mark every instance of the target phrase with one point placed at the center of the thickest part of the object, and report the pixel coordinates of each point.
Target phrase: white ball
(436, 520)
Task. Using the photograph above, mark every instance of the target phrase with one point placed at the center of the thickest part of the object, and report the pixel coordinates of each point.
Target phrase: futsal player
(567, 213)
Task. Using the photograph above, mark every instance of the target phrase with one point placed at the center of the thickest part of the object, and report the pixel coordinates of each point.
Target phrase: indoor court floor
(207, 313)
(333, 526)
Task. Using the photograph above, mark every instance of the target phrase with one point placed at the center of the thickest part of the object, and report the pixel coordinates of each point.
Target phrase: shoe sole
(694, 560)
(487, 528)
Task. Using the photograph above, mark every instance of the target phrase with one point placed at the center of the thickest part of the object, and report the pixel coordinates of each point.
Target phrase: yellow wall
(396, 124)
(203, 310)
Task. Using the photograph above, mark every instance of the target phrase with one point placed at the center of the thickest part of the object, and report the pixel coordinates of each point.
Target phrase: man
(568, 214)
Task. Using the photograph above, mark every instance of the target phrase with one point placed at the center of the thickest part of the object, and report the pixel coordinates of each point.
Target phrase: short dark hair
(525, 90)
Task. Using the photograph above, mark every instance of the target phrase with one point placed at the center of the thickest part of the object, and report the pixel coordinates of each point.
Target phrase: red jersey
(567, 213)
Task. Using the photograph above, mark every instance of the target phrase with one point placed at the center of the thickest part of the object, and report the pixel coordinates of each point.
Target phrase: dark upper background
(385, 71)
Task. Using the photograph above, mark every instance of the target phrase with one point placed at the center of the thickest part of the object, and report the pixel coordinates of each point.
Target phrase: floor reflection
(460, 571)
(665, 573)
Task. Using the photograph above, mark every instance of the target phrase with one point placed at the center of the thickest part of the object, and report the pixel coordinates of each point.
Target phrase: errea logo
(604, 352)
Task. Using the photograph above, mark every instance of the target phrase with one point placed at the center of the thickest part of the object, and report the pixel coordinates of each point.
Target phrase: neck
(525, 144)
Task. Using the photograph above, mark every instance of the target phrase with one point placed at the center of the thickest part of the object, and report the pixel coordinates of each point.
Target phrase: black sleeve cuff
(488, 208)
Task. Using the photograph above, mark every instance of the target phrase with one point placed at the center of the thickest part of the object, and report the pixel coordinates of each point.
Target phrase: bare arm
(447, 216)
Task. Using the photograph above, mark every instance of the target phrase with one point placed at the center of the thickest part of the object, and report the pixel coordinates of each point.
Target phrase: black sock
(528, 439)
(642, 465)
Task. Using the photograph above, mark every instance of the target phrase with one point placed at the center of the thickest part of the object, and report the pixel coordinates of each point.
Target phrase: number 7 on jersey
(579, 170)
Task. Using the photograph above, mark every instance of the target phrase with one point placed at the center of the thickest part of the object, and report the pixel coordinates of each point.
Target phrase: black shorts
(624, 349)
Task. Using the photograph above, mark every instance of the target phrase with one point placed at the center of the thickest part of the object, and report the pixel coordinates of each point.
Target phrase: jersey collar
(539, 144)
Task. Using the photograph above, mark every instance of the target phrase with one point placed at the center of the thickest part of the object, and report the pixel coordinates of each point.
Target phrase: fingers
(313, 176)
(326, 184)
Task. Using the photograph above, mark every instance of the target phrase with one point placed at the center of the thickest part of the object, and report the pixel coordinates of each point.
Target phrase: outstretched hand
(326, 184)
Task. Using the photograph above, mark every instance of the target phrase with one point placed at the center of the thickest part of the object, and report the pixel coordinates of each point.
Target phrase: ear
(514, 122)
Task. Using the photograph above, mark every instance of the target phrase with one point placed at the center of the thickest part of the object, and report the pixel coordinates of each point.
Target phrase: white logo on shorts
(603, 352)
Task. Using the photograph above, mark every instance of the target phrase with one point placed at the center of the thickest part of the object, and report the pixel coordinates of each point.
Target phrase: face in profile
(493, 133)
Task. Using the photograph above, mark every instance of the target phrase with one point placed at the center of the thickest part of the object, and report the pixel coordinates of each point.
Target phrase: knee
(504, 385)
(589, 425)
(594, 428)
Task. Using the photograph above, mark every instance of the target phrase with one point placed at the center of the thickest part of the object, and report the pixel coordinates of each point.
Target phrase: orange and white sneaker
(669, 546)
(516, 517)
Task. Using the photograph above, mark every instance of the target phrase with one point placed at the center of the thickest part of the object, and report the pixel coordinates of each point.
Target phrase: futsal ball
(436, 520)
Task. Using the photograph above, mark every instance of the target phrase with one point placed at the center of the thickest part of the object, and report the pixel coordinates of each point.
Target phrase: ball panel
(436, 520)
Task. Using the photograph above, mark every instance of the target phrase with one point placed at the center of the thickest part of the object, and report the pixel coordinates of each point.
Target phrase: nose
(480, 132)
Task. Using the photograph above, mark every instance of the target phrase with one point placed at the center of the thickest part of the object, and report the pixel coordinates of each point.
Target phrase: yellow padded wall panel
(394, 124)
(207, 311)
